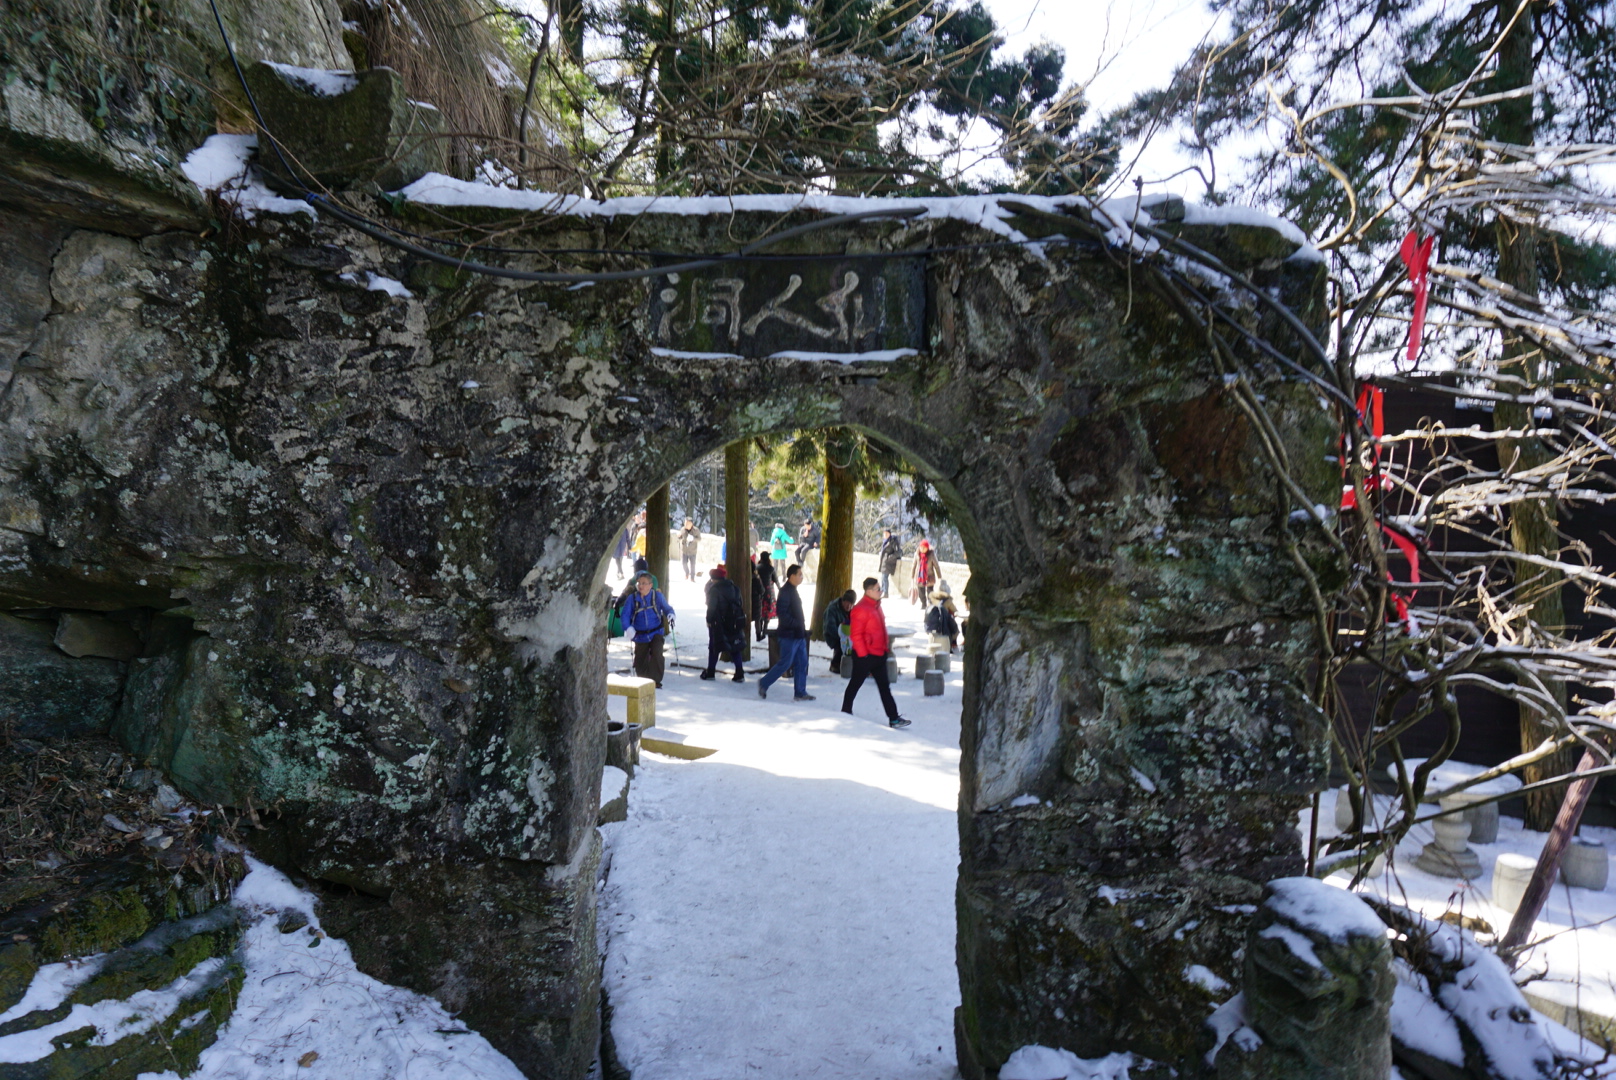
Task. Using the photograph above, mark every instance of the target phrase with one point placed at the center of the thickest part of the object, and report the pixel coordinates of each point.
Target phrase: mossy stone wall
(387, 517)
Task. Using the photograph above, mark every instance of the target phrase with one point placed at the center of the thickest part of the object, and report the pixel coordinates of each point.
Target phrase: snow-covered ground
(785, 907)
(304, 1009)
(1577, 930)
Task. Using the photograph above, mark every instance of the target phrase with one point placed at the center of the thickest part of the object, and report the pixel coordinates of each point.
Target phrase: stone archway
(384, 513)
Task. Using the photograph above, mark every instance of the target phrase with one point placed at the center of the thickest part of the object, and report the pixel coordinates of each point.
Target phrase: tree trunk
(836, 523)
(737, 530)
(656, 535)
(570, 14)
(1568, 817)
(1533, 528)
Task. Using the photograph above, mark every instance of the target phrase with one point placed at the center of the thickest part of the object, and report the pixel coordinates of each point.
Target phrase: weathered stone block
(92, 635)
(47, 694)
(1318, 989)
(346, 128)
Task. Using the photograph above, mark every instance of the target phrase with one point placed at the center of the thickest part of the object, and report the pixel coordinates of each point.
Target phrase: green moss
(128, 975)
(175, 1045)
(17, 967)
(104, 922)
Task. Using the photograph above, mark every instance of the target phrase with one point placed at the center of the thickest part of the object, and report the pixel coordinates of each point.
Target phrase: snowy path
(785, 908)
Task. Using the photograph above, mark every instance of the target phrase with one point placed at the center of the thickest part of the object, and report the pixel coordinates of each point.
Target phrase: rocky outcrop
(100, 102)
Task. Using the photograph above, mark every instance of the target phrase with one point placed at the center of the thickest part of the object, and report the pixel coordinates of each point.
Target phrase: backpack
(639, 606)
(731, 615)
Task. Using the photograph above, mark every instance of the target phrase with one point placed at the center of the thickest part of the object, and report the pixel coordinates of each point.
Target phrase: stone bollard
(1483, 823)
(617, 746)
(942, 662)
(1511, 872)
(1343, 809)
(1318, 991)
(1449, 855)
(847, 666)
(922, 665)
(1585, 864)
(934, 684)
(893, 673)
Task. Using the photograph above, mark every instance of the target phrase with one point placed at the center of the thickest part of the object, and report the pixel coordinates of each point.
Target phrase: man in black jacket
(793, 630)
(726, 623)
(889, 554)
(838, 613)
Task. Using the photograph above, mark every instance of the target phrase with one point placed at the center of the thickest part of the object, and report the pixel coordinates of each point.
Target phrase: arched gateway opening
(780, 901)
(402, 478)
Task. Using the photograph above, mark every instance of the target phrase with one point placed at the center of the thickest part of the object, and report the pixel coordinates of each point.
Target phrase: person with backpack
(835, 624)
(793, 631)
(689, 545)
(868, 634)
(726, 624)
(779, 543)
(888, 554)
(925, 573)
(940, 620)
(647, 615)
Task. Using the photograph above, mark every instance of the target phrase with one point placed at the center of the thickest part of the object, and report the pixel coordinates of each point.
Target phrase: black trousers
(648, 662)
(870, 667)
(836, 654)
(717, 642)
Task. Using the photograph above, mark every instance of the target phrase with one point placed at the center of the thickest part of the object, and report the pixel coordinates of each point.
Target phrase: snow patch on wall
(221, 165)
(1324, 909)
(317, 81)
(564, 621)
(377, 283)
(113, 1019)
(984, 211)
(1206, 978)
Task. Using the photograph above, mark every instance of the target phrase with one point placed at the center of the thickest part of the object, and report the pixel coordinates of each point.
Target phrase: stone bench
(641, 695)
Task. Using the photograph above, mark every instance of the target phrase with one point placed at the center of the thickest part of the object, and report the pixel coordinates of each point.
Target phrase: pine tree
(853, 95)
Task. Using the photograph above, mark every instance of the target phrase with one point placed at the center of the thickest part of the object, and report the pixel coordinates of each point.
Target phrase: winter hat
(925, 545)
(942, 588)
(719, 572)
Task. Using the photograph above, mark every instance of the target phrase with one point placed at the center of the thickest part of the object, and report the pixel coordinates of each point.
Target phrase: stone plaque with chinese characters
(845, 306)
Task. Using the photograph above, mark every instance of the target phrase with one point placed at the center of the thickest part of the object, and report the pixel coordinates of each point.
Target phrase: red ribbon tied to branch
(1416, 255)
(1372, 415)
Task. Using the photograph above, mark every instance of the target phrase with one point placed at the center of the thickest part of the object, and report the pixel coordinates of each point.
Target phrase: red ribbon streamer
(1372, 414)
(1416, 255)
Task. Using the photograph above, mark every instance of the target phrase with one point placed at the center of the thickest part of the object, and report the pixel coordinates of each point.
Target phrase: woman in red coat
(925, 573)
(868, 634)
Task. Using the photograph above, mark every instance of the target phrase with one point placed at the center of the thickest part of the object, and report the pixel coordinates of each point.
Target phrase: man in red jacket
(868, 633)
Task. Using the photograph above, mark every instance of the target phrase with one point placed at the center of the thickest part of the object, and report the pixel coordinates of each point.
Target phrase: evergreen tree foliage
(1295, 71)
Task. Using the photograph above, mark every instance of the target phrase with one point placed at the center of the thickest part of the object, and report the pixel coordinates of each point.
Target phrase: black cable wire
(252, 101)
(556, 278)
